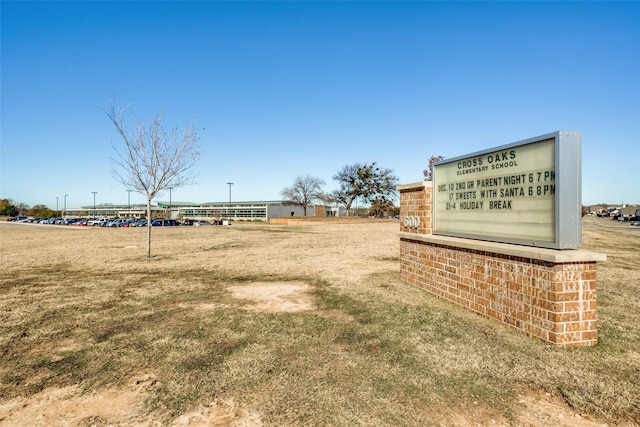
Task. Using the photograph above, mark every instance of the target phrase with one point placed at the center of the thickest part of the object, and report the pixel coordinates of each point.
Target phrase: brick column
(415, 202)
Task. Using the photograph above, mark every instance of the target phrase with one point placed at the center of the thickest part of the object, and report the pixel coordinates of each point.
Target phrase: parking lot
(115, 222)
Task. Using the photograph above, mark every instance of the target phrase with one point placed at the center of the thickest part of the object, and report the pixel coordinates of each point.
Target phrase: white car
(98, 222)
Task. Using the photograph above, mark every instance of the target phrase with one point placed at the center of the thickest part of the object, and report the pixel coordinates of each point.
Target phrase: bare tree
(304, 191)
(152, 158)
(22, 209)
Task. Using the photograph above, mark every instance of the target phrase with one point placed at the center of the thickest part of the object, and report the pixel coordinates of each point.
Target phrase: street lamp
(229, 211)
(170, 188)
(129, 202)
(64, 212)
(56, 205)
(94, 202)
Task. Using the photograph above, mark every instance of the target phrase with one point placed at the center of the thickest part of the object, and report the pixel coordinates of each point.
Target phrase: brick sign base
(544, 293)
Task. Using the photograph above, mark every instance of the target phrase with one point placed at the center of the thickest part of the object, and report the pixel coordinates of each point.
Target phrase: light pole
(129, 202)
(229, 211)
(170, 188)
(94, 202)
(64, 212)
(57, 205)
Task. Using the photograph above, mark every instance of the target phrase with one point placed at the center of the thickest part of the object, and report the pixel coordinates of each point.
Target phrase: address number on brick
(411, 221)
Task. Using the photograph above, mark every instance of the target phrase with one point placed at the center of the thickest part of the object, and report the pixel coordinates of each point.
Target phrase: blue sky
(280, 89)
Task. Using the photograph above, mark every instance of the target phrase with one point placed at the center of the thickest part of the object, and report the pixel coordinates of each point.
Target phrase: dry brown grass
(94, 333)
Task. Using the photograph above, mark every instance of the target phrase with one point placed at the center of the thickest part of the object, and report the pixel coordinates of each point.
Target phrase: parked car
(163, 222)
(98, 222)
(201, 223)
(115, 223)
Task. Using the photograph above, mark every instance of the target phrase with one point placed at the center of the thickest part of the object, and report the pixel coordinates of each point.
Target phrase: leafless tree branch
(151, 158)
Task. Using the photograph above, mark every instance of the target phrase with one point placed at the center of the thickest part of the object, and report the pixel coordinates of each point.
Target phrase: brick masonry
(550, 300)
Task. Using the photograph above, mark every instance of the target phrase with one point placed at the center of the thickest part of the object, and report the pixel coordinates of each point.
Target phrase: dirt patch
(280, 297)
(222, 412)
(68, 406)
(540, 408)
(273, 297)
(123, 406)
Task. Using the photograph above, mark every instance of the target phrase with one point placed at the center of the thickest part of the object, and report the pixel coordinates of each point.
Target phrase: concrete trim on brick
(415, 185)
(550, 255)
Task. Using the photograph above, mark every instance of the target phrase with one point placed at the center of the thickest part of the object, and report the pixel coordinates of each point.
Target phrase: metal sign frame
(562, 228)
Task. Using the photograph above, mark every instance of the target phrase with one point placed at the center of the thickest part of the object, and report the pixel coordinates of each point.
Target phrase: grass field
(259, 324)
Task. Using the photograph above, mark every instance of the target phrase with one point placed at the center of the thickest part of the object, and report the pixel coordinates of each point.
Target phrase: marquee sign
(527, 192)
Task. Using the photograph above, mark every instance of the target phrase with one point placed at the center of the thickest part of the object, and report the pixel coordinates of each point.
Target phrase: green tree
(39, 211)
(381, 208)
(366, 181)
(7, 208)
